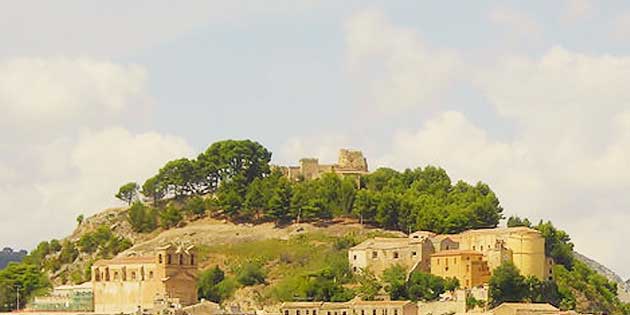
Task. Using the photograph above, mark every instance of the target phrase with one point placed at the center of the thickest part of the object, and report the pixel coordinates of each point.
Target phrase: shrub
(170, 217)
(195, 206)
(250, 274)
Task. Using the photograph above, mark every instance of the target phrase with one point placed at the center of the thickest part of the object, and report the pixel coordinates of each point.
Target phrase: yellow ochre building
(124, 285)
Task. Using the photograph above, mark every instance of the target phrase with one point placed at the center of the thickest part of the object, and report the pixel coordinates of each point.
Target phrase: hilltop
(269, 234)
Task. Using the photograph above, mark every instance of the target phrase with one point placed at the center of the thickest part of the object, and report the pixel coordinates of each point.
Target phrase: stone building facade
(467, 266)
(525, 247)
(66, 298)
(380, 253)
(350, 163)
(354, 307)
(123, 285)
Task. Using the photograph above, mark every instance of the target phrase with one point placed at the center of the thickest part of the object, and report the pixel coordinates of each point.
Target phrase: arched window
(181, 259)
(133, 276)
(169, 259)
(192, 259)
(150, 275)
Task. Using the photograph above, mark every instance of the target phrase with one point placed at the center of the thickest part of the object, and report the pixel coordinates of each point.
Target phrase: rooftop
(530, 306)
(126, 261)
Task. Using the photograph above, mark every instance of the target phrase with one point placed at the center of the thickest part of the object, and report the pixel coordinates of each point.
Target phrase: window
(395, 312)
(169, 259)
(474, 247)
(150, 275)
(481, 247)
(297, 312)
(115, 275)
(438, 261)
(314, 312)
(373, 312)
(160, 258)
(447, 247)
(181, 259)
(413, 253)
(445, 268)
(467, 268)
(286, 312)
(306, 312)
(354, 269)
(374, 254)
(362, 312)
(192, 259)
(395, 255)
(343, 313)
(133, 275)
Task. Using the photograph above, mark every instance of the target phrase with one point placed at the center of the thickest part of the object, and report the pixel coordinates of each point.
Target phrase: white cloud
(43, 94)
(60, 154)
(567, 160)
(391, 66)
(92, 168)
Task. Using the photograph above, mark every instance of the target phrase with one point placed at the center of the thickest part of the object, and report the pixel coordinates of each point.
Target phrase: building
(523, 246)
(467, 266)
(354, 307)
(350, 163)
(380, 253)
(525, 309)
(124, 285)
(67, 298)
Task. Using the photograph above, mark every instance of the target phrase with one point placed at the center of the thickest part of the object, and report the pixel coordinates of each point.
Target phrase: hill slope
(623, 286)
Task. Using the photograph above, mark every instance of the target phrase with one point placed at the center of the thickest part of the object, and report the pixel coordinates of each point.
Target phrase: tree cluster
(418, 286)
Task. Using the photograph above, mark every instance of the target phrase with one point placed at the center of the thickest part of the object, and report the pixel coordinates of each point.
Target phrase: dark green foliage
(142, 218)
(80, 219)
(27, 277)
(128, 192)
(515, 221)
(557, 244)
(69, 253)
(419, 287)
(240, 175)
(208, 284)
(195, 206)
(250, 274)
(170, 217)
(543, 291)
(583, 284)
(279, 204)
(369, 285)
(103, 240)
(507, 285)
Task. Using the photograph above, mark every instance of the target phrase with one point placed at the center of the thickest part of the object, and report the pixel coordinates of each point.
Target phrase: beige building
(380, 253)
(350, 163)
(525, 309)
(354, 307)
(467, 266)
(525, 247)
(122, 285)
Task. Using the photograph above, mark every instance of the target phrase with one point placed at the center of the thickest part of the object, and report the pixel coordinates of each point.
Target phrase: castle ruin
(350, 163)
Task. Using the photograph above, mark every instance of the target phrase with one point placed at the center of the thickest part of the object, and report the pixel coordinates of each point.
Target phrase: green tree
(515, 221)
(80, 219)
(369, 285)
(154, 188)
(170, 217)
(28, 278)
(280, 202)
(195, 206)
(69, 253)
(128, 192)
(387, 210)
(395, 283)
(507, 285)
(558, 244)
(425, 287)
(142, 218)
(365, 205)
(207, 285)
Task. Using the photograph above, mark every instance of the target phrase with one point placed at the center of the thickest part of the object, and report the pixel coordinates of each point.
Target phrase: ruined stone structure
(124, 285)
(486, 249)
(350, 163)
(467, 266)
(354, 307)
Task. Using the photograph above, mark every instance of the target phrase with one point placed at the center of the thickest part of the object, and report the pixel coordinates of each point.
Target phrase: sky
(529, 97)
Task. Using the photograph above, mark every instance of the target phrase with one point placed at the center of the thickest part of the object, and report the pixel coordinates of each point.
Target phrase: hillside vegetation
(264, 239)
